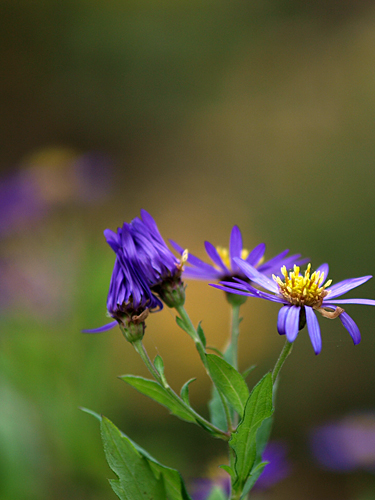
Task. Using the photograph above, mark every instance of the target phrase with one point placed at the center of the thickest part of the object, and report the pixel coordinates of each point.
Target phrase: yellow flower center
(224, 255)
(303, 290)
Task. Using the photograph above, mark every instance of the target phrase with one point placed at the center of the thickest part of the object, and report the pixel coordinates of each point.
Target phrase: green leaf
(253, 478)
(229, 382)
(136, 480)
(181, 324)
(217, 412)
(217, 494)
(247, 372)
(159, 365)
(156, 392)
(185, 391)
(243, 441)
(201, 335)
(173, 481)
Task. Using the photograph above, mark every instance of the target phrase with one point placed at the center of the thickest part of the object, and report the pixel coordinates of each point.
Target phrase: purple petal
(202, 274)
(235, 245)
(281, 320)
(324, 268)
(313, 329)
(366, 302)
(232, 290)
(352, 328)
(346, 285)
(256, 254)
(101, 328)
(214, 256)
(292, 323)
(254, 275)
(274, 262)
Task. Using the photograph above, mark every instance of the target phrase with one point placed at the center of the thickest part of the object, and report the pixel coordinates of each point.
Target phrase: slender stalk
(287, 349)
(202, 353)
(193, 334)
(235, 331)
(141, 350)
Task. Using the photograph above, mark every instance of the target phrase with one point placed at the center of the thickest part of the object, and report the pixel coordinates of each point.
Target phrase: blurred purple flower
(346, 445)
(301, 296)
(225, 266)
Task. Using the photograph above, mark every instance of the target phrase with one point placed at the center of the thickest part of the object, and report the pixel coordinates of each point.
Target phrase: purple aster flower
(347, 444)
(301, 296)
(144, 268)
(129, 298)
(225, 265)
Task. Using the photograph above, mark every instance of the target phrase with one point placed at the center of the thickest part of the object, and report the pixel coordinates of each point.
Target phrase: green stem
(193, 334)
(141, 350)
(235, 331)
(202, 353)
(287, 349)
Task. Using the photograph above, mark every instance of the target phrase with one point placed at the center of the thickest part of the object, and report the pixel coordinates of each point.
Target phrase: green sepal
(217, 494)
(136, 480)
(244, 441)
(174, 484)
(201, 335)
(229, 382)
(185, 391)
(156, 392)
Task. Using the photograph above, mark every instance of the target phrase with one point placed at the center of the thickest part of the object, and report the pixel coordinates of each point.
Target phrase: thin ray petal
(281, 319)
(214, 256)
(254, 275)
(101, 328)
(292, 323)
(235, 245)
(346, 285)
(351, 326)
(313, 329)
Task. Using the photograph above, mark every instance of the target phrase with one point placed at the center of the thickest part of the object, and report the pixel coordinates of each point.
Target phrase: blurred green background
(207, 114)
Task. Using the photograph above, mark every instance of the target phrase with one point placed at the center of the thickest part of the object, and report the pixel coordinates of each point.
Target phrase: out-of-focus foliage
(207, 114)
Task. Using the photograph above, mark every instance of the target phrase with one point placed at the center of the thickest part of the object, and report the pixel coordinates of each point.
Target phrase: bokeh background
(259, 113)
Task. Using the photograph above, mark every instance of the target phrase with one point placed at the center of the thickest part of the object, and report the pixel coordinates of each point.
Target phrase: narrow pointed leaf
(229, 382)
(136, 480)
(253, 478)
(154, 391)
(185, 391)
(258, 408)
(247, 372)
(201, 335)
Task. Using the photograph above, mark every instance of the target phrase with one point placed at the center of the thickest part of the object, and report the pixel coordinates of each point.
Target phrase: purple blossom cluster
(145, 271)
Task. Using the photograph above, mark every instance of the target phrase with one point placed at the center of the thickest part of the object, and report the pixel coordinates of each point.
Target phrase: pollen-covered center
(302, 290)
(224, 255)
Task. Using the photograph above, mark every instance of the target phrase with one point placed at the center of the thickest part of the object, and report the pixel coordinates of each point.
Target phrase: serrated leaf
(243, 441)
(201, 335)
(156, 392)
(185, 391)
(229, 382)
(136, 480)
